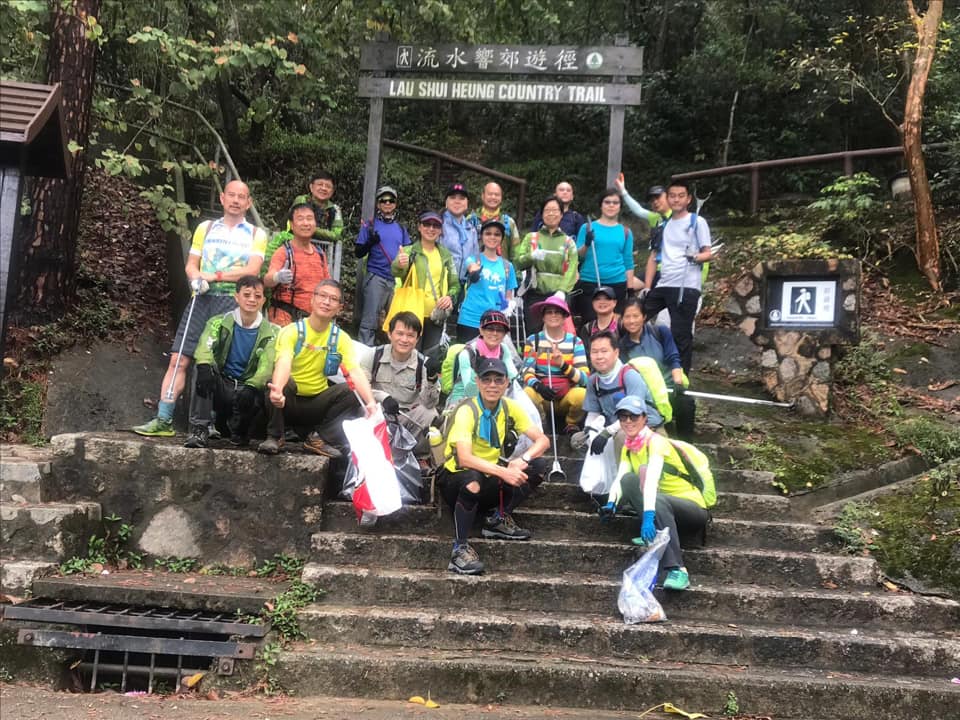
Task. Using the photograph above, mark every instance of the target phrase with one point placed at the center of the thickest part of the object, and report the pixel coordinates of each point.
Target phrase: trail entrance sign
(511, 74)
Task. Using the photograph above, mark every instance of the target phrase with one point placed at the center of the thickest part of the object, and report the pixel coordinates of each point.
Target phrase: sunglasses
(492, 379)
(628, 417)
(388, 201)
(432, 225)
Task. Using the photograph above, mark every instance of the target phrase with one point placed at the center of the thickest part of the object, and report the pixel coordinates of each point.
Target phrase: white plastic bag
(377, 491)
(636, 601)
(599, 471)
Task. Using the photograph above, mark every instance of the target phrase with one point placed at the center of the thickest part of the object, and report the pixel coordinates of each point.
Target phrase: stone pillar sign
(798, 311)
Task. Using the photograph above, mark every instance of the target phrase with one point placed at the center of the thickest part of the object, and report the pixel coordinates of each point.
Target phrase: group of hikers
(598, 350)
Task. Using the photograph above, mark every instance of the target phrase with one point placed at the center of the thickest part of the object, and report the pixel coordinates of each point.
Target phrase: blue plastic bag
(636, 601)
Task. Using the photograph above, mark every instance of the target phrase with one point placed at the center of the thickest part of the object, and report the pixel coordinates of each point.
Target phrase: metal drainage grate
(125, 640)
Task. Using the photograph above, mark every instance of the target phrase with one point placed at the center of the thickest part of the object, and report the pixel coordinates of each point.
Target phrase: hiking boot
(504, 527)
(465, 561)
(580, 441)
(198, 437)
(677, 579)
(157, 427)
(239, 439)
(271, 446)
(315, 444)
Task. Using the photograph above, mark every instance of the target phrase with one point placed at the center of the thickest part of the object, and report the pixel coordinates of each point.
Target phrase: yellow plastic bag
(407, 297)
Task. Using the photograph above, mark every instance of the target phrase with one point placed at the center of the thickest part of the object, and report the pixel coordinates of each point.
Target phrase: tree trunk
(928, 244)
(48, 274)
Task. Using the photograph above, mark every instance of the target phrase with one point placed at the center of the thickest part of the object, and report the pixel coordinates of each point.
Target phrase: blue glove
(647, 531)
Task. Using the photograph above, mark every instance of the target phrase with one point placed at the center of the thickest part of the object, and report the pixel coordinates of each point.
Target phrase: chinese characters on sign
(487, 58)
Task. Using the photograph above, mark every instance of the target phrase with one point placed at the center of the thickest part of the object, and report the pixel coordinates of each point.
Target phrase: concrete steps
(510, 675)
(23, 472)
(17, 577)
(549, 633)
(538, 557)
(552, 524)
(596, 595)
(47, 531)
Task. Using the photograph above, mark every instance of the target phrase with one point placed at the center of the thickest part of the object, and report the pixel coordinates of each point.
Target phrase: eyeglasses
(325, 297)
(628, 417)
(494, 328)
(388, 201)
(611, 201)
(492, 379)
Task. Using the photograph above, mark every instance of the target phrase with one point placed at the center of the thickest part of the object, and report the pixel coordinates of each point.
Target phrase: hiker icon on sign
(800, 299)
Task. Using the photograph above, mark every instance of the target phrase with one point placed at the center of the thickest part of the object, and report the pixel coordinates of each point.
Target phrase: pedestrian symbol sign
(804, 302)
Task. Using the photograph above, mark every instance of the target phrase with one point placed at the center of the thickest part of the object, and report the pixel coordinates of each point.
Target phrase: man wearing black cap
(459, 235)
(379, 241)
(656, 217)
(477, 474)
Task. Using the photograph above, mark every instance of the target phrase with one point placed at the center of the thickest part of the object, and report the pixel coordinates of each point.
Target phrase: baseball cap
(494, 223)
(491, 365)
(494, 317)
(430, 216)
(632, 404)
(457, 188)
(386, 190)
(655, 191)
(605, 290)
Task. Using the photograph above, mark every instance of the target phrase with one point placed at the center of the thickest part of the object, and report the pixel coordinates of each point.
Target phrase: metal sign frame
(389, 61)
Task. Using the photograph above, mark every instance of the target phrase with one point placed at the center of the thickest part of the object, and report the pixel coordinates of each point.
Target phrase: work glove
(647, 530)
(607, 512)
(539, 254)
(511, 308)
(545, 391)
(199, 286)
(474, 276)
(560, 295)
(588, 239)
(373, 238)
(206, 381)
(390, 406)
(599, 443)
(283, 277)
(642, 294)
(433, 366)
(245, 397)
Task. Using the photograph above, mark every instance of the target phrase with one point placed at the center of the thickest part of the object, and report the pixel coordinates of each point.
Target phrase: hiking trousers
(324, 413)
(568, 410)
(234, 413)
(377, 293)
(683, 517)
(682, 315)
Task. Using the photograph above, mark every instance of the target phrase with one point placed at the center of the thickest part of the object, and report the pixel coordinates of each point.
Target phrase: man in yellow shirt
(309, 352)
(477, 474)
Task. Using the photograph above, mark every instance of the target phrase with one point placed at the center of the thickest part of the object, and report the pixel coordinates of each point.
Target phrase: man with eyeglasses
(571, 221)
(308, 353)
(478, 475)
(222, 252)
(379, 241)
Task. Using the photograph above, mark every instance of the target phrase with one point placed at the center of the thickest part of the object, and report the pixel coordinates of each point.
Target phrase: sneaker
(198, 437)
(504, 527)
(158, 427)
(213, 433)
(239, 439)
(271, 446)
(465, 561)
(315, 444)
(580, 441)
(571, 429)
(677, 579)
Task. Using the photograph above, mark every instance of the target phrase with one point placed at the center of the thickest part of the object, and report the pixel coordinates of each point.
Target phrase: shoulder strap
(334, 337)
(655, 331)
(377, 357)
(420, 363)
(301, 336)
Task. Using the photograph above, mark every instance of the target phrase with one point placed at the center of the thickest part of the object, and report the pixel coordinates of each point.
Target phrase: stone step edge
(528, 677)
(588, 622)
(313, 571)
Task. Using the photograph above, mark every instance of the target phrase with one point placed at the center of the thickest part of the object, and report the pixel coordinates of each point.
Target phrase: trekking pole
(735, 398)
(556, 473)
(593, 247)
(176, 366)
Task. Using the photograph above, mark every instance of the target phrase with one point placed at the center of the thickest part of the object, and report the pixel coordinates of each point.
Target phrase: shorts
(206, 307)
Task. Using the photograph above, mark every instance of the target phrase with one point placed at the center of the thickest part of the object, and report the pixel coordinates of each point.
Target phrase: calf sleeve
(464, 513)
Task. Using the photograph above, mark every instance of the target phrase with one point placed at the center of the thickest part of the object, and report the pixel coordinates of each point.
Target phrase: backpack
(696, 466)
(650, 373)
(450, 368)
(302, 339)
(378, 357)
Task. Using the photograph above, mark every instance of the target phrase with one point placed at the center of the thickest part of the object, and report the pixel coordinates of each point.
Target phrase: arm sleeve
(651, 483)
(521, 257)
(264, 365)
(594, 421)
(573, 262)
(361, 248)
(635, 207)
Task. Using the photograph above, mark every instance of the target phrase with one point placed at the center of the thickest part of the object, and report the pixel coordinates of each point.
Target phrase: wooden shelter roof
(32, 133)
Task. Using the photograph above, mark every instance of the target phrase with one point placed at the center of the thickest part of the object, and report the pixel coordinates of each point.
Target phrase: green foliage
(107, 549)
(280, 565)
(267, 658)
(867, 363)
(176, 564)
(915, 531)
(792, 245)
(281, 613)
(21, 408)
(731, 706)
(849, 199)
(937, 443)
